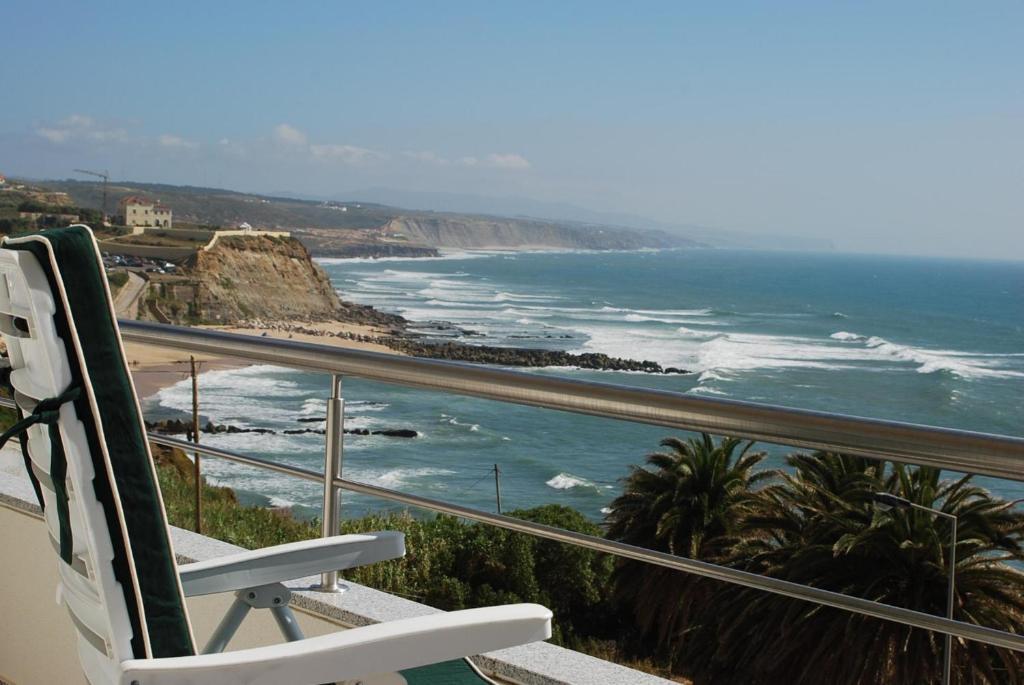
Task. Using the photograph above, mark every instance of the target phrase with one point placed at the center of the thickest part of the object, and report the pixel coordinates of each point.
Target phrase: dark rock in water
(518, 356)
(312, 419)
(302, 431)
(397, 338)
(389, 432)
(398, 433)
(177, 427)
(169, 426)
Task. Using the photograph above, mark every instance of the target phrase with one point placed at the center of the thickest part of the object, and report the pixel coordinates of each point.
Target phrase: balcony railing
(955, 450)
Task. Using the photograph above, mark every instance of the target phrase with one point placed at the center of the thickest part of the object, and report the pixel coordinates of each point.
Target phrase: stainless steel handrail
(981, 453)
(995, 455)
(838, 600)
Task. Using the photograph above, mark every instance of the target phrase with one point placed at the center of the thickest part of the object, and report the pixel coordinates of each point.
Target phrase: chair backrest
(88, 455)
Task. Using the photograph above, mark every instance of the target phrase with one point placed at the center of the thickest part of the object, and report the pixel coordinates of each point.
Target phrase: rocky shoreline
(399, 339)
(374, 250)
(179, 427)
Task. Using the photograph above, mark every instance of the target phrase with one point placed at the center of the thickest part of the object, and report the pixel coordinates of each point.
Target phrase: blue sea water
(928, 341)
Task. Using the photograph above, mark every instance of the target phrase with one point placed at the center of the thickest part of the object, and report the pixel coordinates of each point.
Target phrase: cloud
(54, 135)
(118, 135)
(80, 127)
(507, 161)
(492, 161)
(427, 157)
(349, 154)
(78, 121)
(167, 140)
(289, 135)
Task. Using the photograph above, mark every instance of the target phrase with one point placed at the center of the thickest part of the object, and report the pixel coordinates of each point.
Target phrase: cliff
(243, 278)
(366, 243)
(483, 232)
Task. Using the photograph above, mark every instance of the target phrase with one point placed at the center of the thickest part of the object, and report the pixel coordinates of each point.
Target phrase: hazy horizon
(881, 129)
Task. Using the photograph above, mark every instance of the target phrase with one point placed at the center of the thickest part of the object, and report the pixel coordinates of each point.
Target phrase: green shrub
(454, 565)
(117, 279)
(223, 517)
(449, 564)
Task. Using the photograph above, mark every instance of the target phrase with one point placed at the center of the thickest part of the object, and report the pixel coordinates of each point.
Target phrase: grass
(117, 279)
(160, 240)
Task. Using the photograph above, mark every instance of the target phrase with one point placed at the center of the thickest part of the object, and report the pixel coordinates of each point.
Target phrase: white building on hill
(140, 212)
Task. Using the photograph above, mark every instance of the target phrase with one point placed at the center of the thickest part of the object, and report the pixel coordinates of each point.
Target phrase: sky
(893, 127)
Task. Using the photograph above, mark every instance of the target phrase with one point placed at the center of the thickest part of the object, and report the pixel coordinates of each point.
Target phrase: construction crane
(106, 179)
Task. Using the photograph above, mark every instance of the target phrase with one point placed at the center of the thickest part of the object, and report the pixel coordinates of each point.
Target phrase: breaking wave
(567, 481)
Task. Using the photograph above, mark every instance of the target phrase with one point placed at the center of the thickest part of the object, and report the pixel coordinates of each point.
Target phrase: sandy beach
(154, 367)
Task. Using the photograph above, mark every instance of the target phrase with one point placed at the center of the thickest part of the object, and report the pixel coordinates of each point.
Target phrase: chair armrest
(355, 653)
(289, 561)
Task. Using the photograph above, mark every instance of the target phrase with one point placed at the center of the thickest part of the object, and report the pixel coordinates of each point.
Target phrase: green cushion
(446, 673)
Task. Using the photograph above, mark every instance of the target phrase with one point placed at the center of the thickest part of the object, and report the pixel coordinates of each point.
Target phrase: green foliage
(39, 207)
(117, 279)
(223, 517)
(687, 504)
(91, 217)
(819, 526)
(15, 225)
(8, 417)
(449, 564)
(454, 565)
(53, 215)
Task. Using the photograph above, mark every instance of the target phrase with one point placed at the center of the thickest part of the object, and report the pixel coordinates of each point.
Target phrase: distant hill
(529, 208)
(376, 229)
(215, 206)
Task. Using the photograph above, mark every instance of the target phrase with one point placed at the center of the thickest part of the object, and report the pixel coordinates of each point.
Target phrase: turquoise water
(923, 340)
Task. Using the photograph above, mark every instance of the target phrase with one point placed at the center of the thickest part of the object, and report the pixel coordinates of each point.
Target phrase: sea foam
(567, 481)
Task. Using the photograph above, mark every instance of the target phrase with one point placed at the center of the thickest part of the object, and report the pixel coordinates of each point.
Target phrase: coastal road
(126, 302)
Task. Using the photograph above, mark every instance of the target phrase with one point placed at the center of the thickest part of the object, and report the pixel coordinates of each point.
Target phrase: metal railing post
(333, 458)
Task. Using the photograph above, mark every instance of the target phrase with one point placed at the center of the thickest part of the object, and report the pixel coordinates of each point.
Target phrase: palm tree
(819, 527)
(686, 503)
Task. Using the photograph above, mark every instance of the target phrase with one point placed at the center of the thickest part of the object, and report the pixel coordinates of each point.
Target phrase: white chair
(89, 460)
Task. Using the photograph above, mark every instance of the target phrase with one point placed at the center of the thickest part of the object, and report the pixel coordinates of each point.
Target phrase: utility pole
(195, 439)
(497, 487)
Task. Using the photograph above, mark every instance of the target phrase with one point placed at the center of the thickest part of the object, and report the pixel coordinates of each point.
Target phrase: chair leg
(287, 623)
(227, 627)
(274, 597)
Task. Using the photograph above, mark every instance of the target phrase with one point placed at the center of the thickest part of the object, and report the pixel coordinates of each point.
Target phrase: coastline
(155, 368)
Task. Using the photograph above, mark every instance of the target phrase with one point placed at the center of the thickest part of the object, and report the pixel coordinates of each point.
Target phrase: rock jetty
(407, 343)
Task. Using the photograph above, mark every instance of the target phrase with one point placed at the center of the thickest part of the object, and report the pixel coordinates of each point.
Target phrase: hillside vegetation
(380, 229)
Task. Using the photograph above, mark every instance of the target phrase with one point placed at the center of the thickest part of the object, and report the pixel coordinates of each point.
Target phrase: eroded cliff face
(261, 277)
(254, 281)
(494, 232)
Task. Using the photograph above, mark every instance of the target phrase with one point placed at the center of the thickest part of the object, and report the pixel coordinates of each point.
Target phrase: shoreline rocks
(179, 427)
(412, 345)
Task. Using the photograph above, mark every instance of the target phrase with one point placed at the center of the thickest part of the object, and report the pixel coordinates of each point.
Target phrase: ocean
(931, 341)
